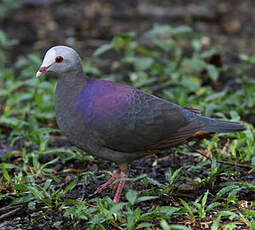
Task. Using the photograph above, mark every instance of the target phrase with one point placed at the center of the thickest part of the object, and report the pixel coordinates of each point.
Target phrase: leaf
(144, 225)
(205, 198)
(5, 173)
(140, 177)
(253, 161)
(38, 194)
(143, 63)
(102, 49)
(213, 72)
(195, 65)
(122, 41)
(249, 212)
(50, 162)
(166, 226)
(67, 189)
(216, 224)
(192, 83)
(8, 166)
(172, 177)
(224, 191)
(231, 215)
(249, 186)
(187, 207)
(47, 184)
(155, 182)
(116, 208)
(31, 205)
(168, 211)
(160, 29)
(216, 96)
(20, 187)
(131, 196)
(145, 198)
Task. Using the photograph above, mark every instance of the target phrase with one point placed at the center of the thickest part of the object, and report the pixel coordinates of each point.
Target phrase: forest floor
(45, 183)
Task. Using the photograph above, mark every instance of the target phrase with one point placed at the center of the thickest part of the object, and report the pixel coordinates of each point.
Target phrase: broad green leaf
(131, 196)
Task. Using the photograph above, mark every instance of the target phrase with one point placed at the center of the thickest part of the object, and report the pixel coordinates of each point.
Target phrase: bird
(115, 122)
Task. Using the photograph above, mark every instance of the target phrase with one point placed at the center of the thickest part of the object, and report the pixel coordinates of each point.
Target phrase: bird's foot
(115, 176)
(118, 186)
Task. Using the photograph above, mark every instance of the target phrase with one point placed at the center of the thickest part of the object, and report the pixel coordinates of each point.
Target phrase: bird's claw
(118, 186)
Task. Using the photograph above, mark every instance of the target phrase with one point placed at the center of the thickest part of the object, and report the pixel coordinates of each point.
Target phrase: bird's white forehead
(49, 57)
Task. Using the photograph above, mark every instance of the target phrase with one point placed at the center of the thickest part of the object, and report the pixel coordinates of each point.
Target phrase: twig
(223, 162)
(8, 214)
(7, 208)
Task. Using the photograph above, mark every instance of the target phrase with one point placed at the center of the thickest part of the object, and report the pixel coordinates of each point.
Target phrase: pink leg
(116, 175)
(115, 186)
(119, 190)
(119, 185)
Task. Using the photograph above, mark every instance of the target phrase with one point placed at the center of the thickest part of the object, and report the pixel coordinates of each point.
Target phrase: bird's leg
(115, 176)
(115, 186)
(120, 186)
(122, 172)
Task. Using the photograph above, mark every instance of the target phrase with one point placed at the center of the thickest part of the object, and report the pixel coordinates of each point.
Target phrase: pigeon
(116, 122)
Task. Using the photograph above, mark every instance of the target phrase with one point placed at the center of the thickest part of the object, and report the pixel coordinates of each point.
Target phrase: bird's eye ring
(59, 59)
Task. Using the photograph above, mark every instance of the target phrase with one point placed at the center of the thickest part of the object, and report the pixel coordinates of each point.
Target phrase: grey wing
(148, 123)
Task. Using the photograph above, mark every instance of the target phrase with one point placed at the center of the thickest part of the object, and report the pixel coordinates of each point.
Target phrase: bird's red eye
(59, 59)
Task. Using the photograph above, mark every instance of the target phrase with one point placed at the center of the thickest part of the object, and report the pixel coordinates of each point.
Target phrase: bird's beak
(41, 71)
(46, 64)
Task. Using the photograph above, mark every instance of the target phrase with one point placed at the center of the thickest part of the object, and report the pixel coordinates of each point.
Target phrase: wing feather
(139, 121)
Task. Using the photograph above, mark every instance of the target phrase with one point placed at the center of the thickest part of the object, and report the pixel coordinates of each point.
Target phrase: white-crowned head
(60, 60)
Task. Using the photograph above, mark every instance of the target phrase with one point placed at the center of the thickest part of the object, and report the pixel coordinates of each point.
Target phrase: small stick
(8, 214)
(7, 208)
(223, 162)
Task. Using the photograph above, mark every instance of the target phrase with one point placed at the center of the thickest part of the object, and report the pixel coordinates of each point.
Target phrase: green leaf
(216, 224)
(145, 198)
(131, 196)
(168, 211)
(204, 200)
(20, 187)
(187, 207)
(231, 215)
(5, 173)
(38, 194)
(225, 190)
(196, 65)
(47, 184)
(8, 166)
(249, 212)
(172, 177)
(103, 49)
(213, 72)
(31, 205)
(122, 41)
(144, 225)
(166, 226)
(155, 182)
(67, 189)
(116, 208)
(143, 63)
(216, 96)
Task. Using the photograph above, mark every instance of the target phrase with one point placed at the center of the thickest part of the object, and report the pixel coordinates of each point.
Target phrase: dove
(116, 122)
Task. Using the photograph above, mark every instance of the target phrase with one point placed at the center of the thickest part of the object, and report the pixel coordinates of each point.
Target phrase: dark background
(85, 25)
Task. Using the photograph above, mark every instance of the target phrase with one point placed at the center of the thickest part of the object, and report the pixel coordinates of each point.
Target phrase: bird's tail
(212, 125)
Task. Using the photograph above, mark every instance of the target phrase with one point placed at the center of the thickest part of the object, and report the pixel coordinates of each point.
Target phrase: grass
(51, 182)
